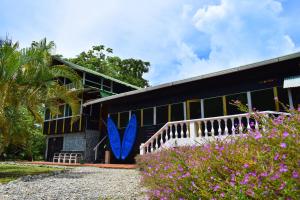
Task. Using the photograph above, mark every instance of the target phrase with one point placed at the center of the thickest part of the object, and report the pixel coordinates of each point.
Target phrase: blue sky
(181, 38)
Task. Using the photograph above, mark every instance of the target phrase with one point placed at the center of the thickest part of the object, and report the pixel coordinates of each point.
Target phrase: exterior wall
(92, 139)
(74, 142)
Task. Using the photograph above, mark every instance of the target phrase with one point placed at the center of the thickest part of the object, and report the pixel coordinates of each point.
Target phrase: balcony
(63, 125)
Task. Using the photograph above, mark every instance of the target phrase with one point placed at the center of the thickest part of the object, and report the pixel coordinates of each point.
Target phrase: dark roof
(197, 78)
(84, 69)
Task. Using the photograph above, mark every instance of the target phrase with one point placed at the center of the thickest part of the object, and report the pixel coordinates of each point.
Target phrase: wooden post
(142, 117)
(169, 112)
(276, 98)
(224, 105)
(202, 107)
(249, 101)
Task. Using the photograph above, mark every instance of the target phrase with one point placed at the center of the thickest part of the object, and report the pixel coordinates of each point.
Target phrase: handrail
(96, 147)
(99, 143)
(208, 119)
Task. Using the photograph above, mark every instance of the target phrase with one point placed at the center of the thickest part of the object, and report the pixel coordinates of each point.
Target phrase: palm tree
(28, 83)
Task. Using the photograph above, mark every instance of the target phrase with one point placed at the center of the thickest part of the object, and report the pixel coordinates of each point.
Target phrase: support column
(249, 101)
(154, 115)
(142, 117)
(118, 120)
(184, 110)
(46, 152)
(169, 112)
(202, 107)
(224, 105)
(275, 91)
(290, 98)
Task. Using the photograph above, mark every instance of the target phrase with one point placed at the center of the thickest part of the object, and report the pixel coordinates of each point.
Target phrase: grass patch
(9, 172)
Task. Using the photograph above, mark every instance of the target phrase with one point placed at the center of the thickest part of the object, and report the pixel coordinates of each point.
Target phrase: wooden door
(55, 145)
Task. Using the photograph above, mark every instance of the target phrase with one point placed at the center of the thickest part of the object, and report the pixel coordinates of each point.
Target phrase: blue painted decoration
(129, 137)
(114, 138)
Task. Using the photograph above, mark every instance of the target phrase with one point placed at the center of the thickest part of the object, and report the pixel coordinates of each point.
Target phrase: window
(47, 114)
(106, 84)
(177, 112)
(213, 107)
(162, 114)
(124, 119)
(263, 100)
(283, 97)
(148, 117)
(114, 117)
(137, 113)
(68, 111)
(232, 109)
(296, 97)
(61, 111)
(194, 109)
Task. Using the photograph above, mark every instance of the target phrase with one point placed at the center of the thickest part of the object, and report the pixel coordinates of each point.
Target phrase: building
(256, 85)
(84, 134)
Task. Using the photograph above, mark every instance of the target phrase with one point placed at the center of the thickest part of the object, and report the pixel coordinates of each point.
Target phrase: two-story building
(205, 96)
(85, 133)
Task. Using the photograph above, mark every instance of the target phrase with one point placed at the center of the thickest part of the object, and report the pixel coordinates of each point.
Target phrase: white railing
(73, 86)
(199, 131)
(97, 146)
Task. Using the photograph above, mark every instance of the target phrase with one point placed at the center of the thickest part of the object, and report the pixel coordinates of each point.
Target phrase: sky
(180, 38)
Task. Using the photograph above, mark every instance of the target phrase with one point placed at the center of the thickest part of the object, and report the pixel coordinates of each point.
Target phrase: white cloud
(180, 38)
(240, 32)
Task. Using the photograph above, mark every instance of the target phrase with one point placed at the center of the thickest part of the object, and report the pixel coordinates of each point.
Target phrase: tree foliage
(102, 60)
(28, 83)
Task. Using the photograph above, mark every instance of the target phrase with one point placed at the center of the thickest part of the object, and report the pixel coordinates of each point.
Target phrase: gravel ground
(77, 183)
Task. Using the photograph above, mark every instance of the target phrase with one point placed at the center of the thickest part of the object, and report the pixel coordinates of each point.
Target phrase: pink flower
(275, 177)
(246, 165)
(295, 174)
(282, 185)
(264, 174)
(283, 168)
(276, 156)
(283, 145)
(285, 134)
(258, 136)
(216, 187)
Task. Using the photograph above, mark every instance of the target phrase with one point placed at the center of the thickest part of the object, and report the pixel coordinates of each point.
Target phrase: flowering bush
(261, 165)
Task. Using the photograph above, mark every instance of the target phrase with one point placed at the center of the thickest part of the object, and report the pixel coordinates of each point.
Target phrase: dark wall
(241, 81)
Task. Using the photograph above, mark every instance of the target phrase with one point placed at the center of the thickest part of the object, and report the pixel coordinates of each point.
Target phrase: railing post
(142, 149)
(96, 154)
(192, 128)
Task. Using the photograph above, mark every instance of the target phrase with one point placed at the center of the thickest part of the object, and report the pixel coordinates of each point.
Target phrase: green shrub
(259, 165)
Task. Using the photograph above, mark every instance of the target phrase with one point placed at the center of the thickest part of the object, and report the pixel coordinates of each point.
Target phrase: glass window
(213, 107)
(61, 111)
(106, 84)
(194, 109)
(47, 114)
(232, 109)
(137, 113)
(177, 112)
(114, 117)
(162, 114)
(68, 111)
(148, 117)
(283, 98)
(124, 119)
(296, 97)
(263, 100)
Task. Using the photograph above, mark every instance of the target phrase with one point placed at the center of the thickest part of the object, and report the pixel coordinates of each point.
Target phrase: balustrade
(199, 131)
